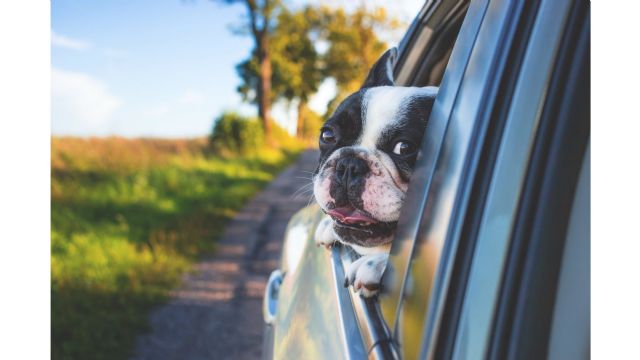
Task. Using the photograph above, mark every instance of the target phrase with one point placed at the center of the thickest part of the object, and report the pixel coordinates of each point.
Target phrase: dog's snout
(351, 170)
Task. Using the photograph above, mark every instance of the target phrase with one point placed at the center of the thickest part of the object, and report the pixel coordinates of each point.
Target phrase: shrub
(236, 134)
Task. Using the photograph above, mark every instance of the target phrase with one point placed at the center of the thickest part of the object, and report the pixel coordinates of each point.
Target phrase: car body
(491, 255)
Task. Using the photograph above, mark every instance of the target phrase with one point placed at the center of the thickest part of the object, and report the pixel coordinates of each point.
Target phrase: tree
(296, 72)
(298, 69)
(354, 46)
(260, 22)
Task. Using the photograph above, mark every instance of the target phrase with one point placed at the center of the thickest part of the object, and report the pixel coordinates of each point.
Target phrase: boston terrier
(368, 149)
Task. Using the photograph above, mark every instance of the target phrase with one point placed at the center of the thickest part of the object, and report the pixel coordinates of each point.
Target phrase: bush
(236, 134)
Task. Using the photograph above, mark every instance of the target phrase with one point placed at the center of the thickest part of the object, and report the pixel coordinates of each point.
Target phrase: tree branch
(253, 22)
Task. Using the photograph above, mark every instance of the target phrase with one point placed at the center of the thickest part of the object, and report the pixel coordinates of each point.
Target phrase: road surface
(217, 312)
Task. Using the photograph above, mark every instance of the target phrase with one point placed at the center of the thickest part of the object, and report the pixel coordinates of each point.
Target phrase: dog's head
(368, 150)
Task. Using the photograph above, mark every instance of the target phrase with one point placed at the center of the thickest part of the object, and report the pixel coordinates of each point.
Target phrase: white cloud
(66, 42)
(80, 103)
(191, 97)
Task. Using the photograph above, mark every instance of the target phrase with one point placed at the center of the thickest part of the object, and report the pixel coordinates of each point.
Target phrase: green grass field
(128, 217)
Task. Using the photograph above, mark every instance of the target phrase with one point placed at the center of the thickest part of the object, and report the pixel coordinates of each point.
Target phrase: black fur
(379, 73)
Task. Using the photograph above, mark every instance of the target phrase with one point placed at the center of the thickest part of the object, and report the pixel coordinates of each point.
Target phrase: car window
(424, 52)
(463, 94)
(529, 283)
(418, 245)
(569, 333)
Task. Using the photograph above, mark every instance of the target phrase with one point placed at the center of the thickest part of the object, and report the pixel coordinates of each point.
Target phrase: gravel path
(217, 313)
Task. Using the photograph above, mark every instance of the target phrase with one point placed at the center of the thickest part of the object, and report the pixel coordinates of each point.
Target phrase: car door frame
(451, 279)
(532, 92)
(375, 333)
(464, 106)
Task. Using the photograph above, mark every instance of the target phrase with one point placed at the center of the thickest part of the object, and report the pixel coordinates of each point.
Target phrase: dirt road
(217, 313)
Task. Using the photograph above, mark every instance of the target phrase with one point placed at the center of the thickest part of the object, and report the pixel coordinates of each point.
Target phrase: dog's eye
(327, 136)
(403, 148)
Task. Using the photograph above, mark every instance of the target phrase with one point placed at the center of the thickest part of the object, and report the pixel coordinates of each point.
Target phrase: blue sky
(162, 68)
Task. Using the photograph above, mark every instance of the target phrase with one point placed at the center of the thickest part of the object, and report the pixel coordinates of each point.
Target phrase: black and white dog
(368, 150)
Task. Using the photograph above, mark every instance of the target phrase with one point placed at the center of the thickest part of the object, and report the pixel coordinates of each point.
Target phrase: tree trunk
(300, 125)
(264, 87)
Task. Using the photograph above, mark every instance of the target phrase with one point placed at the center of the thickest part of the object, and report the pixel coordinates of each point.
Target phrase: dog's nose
(351, 171)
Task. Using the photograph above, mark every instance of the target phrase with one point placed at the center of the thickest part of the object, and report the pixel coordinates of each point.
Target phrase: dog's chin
(371, 235)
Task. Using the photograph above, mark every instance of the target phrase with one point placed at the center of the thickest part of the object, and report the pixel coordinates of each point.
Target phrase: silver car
(491, 256)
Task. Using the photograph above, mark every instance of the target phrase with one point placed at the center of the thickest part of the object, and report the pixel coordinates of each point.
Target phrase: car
(491, 255)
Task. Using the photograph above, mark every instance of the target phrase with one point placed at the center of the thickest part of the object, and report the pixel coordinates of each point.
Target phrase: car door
(446, 291)
(462, 277)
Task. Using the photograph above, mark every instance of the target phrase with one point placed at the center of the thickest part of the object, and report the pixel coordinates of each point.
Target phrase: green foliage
(298, 68)
(259, 24)
(235, 134)
(354, 45)
(282, 139)
(311, 125)
(128, 218)
(295, 63)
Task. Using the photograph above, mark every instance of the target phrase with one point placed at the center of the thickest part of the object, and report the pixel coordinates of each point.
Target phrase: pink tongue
(349, 215)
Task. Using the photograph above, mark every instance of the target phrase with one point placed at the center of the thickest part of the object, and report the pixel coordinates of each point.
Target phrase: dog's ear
(381, 74)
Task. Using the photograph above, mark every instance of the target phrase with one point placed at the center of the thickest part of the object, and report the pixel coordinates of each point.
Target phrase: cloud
(191, 97)
(65, 42)
(80, 103)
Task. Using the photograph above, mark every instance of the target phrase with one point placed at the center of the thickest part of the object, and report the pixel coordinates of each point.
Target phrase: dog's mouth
(352, 217)
(359, 223)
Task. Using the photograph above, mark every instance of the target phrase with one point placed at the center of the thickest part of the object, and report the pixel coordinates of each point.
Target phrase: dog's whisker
(302, 190)
(311, 198)
(305, 186)
(300, 194)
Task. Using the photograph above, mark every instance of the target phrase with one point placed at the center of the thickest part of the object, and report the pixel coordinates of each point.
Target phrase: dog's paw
(324, 233)
(365, 274)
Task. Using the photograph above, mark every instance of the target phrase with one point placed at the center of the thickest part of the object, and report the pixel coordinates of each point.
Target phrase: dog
(368, 149)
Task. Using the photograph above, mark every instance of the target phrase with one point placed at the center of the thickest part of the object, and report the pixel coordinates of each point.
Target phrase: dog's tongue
(349, 215)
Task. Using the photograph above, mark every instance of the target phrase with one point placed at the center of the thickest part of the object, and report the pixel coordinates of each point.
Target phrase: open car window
(424, 54)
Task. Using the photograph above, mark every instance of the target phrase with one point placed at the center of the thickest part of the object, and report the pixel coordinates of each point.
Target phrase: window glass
(427, 69)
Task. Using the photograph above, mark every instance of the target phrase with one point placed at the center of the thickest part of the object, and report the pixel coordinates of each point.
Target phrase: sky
(158, 68)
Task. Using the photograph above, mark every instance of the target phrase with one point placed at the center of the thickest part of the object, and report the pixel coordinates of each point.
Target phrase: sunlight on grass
(128, 218)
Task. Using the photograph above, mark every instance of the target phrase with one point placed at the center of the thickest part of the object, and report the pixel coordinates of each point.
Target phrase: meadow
(128, 218)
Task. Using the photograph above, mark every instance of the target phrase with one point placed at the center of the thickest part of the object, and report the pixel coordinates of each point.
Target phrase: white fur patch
(321, 187)
(366, 271)
(324, 232)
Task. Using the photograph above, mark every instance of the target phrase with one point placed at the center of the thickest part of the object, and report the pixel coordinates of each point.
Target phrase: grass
(128, 218)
